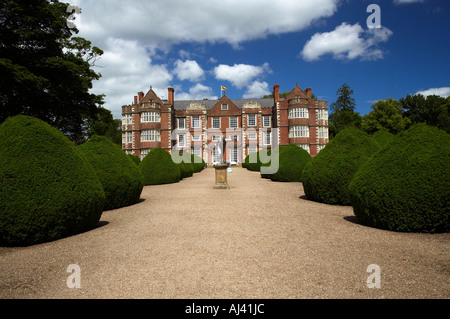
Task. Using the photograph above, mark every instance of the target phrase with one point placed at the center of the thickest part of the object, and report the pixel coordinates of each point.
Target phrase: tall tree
(342, 111)
(432, 110)
(385, 114)
(45, 72)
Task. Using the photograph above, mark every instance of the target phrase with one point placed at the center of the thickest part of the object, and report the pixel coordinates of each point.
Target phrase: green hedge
(186, 167)
(121, 179)
(198, 163)
(383, 137)
(292, 161)
(157, 167)
(135, 159)
(48, 190)
(327, 175)
(406, 186)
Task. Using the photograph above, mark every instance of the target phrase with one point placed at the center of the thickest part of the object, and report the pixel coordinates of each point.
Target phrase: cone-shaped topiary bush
(406, 186)
(157, 167)
(48, 190)
(326, 177)
(121, 179)
(292, 161)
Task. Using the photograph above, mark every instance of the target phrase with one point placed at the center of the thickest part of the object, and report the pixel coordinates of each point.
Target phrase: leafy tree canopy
(432, 110)
(45, 72)
(343, 113)
(385, 114)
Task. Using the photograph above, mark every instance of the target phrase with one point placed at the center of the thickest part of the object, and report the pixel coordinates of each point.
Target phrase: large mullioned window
(150, 136)
(298, 112)
(299, 131)
(150, 117)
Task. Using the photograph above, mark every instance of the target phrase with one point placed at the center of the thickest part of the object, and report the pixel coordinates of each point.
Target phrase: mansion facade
(248, 125)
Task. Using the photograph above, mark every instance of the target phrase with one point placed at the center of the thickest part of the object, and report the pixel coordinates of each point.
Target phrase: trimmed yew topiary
(198, 163)
(121, 179)
(326, 177)
(292, 161)
(406, 186)
(48, 190)
(135, 159)
(383, 137)
(157, 167)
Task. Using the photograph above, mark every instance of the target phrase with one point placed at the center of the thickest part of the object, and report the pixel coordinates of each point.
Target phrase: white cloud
(132, 32)
(347, 42)
(197, 92)
(188, 70)
(443, 91)
(165, 22)
(257, 90)
(123, 77)
(240, 74)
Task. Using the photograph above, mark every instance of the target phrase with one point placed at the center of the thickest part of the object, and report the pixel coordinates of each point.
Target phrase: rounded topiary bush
(198, 163)
(326, 177)
(383, 137)
(48, 190)
(252, 162)
(121, 179)
(135, 158)
(292, 161)
(406, 186)
(157, 167)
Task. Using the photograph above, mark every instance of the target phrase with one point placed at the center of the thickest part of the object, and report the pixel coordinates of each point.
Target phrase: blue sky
(248, 46)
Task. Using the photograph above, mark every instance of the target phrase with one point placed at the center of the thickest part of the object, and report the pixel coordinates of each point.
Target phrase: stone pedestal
(221, 176)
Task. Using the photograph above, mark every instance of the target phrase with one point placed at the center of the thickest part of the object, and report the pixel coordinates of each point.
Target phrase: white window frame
(298, 112)
(216, 138)
(252, 149)
(224, 107)
(236, 123)
(267, 138)
(252, 136)
(298, 131)
(144, 152)
(150, 136)
(216, 155)
(127, 119)
(234, 155)
(195, 121)
(183, 121)
(197, 151)
(196, 137)
(150, 116)
(267, 117)
(323, 132)
(213, 122)
(320, 147)
(323, 114)
(183, 140)
(253, 117)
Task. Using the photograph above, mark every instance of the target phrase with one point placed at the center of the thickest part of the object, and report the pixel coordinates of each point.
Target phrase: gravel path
(260, 239)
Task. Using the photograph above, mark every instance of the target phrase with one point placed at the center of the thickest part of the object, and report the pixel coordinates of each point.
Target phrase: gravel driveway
(259, 239)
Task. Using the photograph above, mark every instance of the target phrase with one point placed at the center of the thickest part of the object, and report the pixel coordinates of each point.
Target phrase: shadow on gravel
(353, 219)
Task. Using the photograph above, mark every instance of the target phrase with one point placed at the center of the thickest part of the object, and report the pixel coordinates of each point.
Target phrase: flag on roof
(223, 88)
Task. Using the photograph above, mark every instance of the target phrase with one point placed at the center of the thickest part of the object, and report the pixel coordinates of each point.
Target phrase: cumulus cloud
(122, 77)
(131, 33)
(165, 22)
(197, 92)
(257, 90)
(443, 91)
(347, 42)
(188, 70)
(240, 75)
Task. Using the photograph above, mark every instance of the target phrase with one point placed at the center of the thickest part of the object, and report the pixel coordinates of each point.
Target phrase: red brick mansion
(248, 125)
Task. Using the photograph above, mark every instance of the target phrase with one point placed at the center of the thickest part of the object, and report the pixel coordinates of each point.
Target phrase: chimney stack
(308, 92)
(141, 96)
(135, 99)
(276, 92)
(171, 96)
